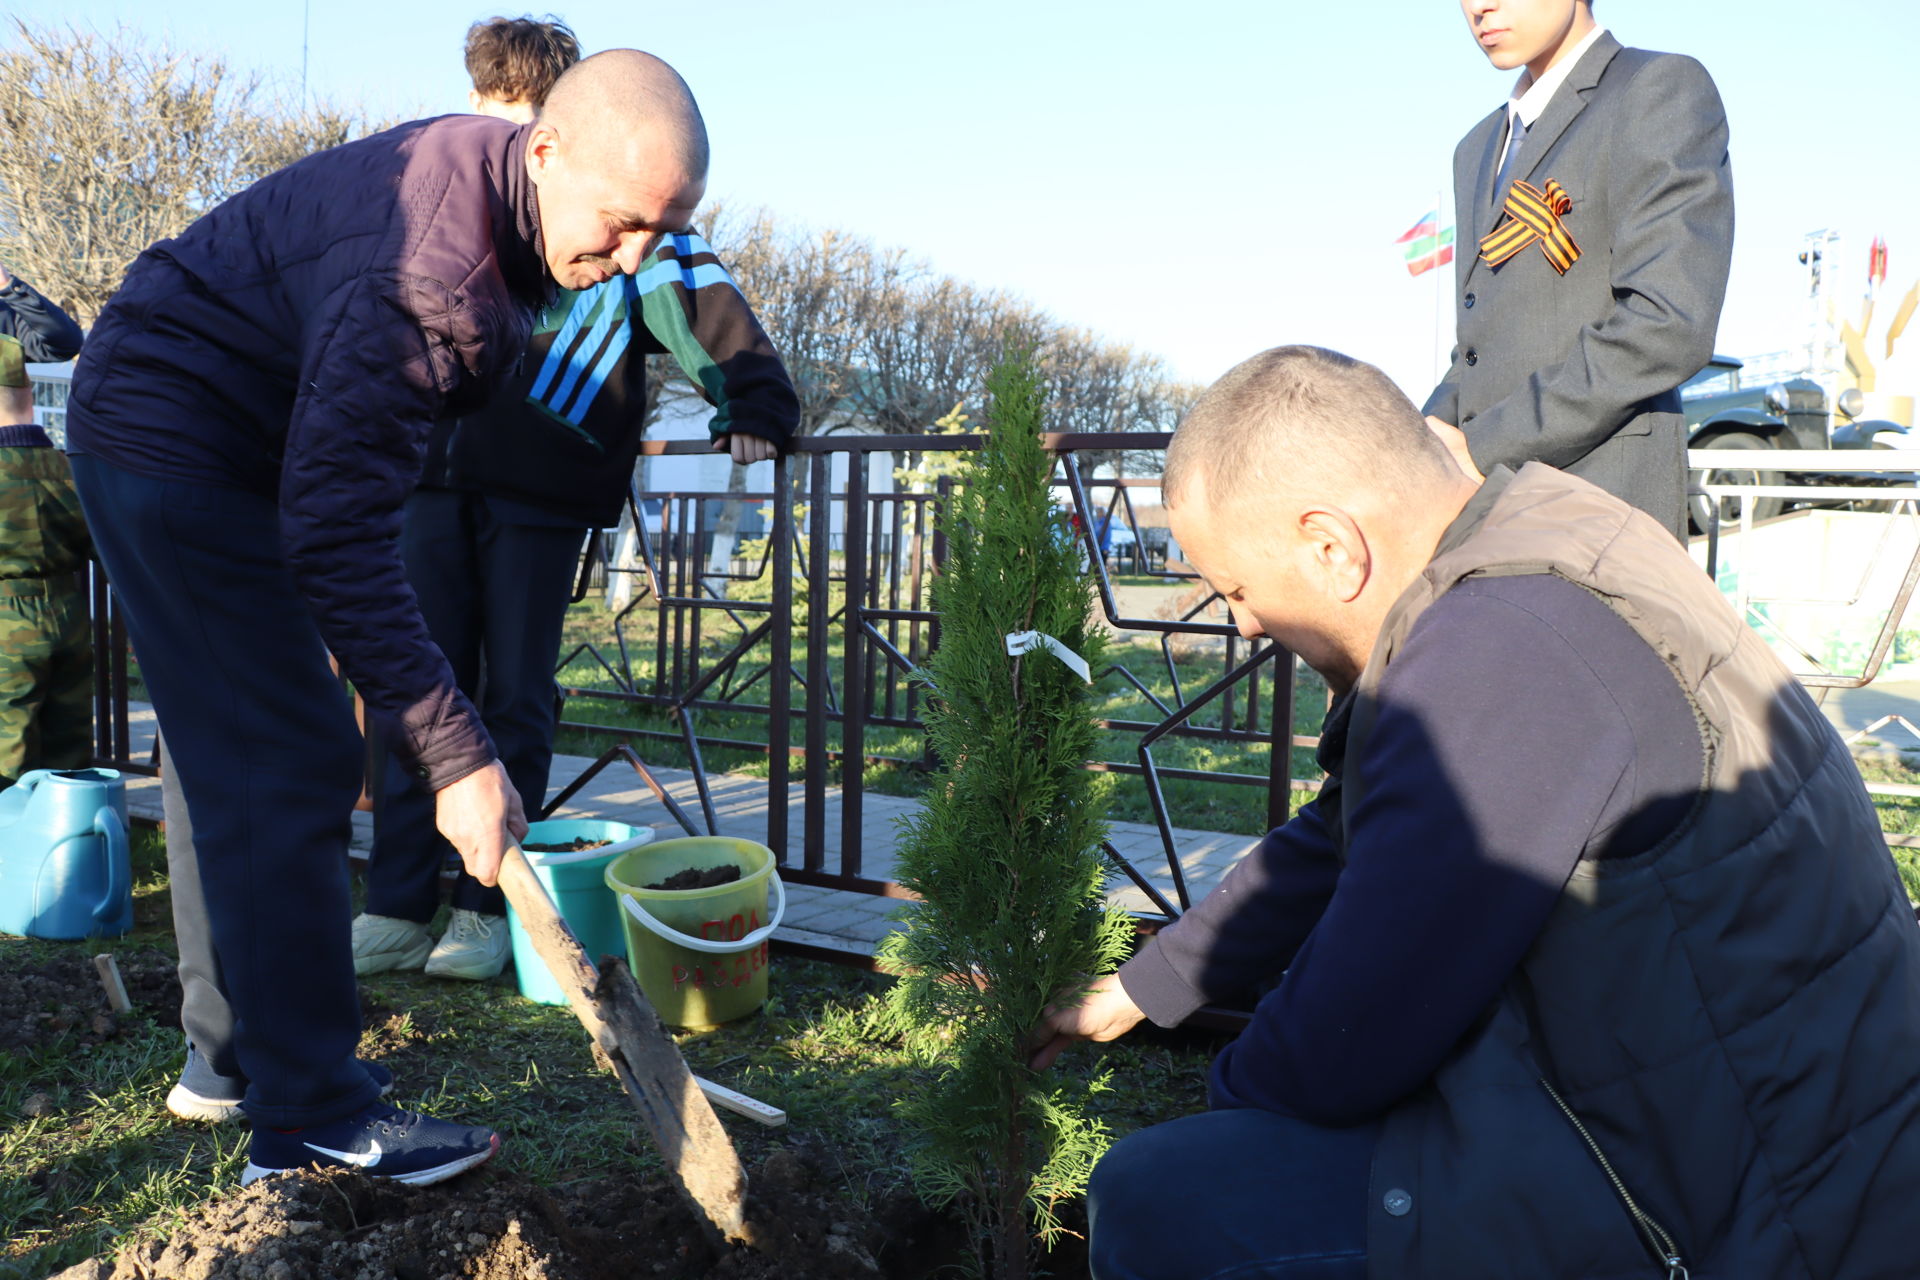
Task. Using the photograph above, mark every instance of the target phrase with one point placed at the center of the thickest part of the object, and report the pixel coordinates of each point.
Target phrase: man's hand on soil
(1106, 1013)
(745, 448)
(1456, 441)
(480, 815)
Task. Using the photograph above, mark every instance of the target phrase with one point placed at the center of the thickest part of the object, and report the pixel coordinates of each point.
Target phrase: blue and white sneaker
(204, 1094)
(380, 1141)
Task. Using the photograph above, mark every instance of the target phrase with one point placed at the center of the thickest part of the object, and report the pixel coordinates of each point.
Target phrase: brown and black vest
(1723, 1032)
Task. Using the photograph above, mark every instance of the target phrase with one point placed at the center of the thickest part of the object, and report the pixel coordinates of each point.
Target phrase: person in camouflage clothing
(46, 646)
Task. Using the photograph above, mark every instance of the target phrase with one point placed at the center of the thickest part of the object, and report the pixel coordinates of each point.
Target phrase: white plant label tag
(1019, 642)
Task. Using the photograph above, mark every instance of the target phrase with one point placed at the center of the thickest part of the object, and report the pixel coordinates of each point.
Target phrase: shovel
(628, 1032)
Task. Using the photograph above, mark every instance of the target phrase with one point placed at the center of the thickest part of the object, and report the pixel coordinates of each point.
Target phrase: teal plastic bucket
(577, 884)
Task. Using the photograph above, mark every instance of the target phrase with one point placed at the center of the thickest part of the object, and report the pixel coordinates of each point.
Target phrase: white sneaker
(474, 946)
(381, 943)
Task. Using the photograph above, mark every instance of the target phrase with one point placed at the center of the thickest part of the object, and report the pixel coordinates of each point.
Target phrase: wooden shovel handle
(616, 1014)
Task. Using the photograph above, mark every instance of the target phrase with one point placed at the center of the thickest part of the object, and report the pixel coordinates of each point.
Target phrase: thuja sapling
(1006, 852)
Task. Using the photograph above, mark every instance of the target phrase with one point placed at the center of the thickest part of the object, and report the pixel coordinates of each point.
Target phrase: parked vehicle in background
(1846, 385)
(1724, 412)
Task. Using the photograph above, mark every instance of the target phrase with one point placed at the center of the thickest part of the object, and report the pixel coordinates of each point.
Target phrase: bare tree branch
(111, 144)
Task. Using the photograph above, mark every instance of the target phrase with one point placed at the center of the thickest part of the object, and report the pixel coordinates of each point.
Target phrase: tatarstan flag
(1428, 244)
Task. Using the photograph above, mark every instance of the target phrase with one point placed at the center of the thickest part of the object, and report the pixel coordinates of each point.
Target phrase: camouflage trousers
(46, 677)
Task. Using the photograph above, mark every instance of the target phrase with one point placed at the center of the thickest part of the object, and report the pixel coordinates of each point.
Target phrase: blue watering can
(64, 869)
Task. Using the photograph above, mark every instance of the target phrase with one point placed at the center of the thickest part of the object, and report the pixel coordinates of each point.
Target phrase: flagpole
(1439, 287)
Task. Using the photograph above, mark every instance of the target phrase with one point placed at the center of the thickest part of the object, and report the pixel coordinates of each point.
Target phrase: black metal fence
(814, 630)
(834, 618)
(811, 632)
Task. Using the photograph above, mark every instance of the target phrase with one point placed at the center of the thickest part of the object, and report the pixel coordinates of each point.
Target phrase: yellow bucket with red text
(699, 954)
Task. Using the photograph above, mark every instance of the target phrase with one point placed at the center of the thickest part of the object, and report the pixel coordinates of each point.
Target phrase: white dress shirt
(1530, 97)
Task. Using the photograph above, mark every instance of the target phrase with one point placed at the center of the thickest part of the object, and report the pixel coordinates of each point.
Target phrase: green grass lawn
(1149, 580)
(1899, 815)
(89, 1156)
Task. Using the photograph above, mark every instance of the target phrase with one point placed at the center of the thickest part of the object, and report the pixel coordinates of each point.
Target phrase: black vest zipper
(1656, 1237)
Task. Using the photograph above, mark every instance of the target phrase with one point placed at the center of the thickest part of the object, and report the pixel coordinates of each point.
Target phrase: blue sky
(1199, 180)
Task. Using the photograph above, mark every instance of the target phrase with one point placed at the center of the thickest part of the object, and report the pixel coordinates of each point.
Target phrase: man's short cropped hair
(518, 59)
(1307, 421)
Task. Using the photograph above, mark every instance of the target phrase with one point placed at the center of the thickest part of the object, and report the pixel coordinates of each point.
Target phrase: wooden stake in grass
(740, 1104)
(109, 970)
(698, 1154)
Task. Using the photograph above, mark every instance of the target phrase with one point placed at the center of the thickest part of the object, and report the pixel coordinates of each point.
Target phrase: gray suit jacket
(1583, 371)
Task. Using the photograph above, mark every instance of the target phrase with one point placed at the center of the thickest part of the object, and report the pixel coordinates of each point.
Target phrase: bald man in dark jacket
(248, 419)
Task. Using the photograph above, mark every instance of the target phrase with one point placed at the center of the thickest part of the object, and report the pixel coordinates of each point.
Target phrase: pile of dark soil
(699, 878)
(579, 844)
(498, 1226)
(42, 1003)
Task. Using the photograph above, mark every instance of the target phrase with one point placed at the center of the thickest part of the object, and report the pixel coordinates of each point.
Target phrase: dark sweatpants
(1238, 1193)
(493, 590)
(269, 762)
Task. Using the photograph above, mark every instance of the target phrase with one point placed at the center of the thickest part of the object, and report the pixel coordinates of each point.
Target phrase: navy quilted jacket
(299, 341)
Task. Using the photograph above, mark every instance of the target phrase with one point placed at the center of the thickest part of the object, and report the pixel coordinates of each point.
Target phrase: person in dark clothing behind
(47, 335)
(46, 645)
(246, 420)
(1588, 959)
(495, 529)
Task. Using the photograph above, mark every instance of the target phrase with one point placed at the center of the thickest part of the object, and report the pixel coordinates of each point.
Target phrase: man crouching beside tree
(1588, 959)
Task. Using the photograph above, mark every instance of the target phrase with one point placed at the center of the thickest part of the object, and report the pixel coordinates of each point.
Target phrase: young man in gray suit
(1596, 211)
